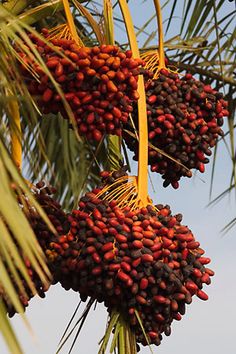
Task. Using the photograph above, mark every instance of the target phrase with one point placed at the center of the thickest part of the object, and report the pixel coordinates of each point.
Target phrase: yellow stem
(113, 141)
(115, 194)
(108, 22)
(143, 144)
(131, 198)
(160, 35)
(71, 23)
(111, 186)
(142, 112)
(15, 132)
(123, 194)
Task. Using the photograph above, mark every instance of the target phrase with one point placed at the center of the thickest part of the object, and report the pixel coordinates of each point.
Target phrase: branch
(195, 69)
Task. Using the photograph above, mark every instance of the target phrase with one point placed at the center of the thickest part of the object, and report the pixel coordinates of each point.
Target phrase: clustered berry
(99, 83)
(49, 241)
(184, 120)
(143, 260)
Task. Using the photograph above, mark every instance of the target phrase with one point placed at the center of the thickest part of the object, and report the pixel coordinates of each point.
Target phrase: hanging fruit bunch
(98, 83)
(184, 119)
(45, 237)
(138, 260)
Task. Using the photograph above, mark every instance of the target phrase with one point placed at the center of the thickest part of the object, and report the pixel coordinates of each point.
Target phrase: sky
(207, 327)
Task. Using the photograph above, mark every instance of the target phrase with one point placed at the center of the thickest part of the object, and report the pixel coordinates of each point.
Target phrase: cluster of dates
(141, 260)
(184, 121)
(98, 83)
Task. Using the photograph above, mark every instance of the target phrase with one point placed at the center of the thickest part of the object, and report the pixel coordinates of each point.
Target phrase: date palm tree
(36, 147)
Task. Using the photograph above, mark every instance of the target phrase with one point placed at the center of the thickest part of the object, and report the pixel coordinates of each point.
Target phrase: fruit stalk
(108, 22)
(71, 23)
(113, 141)
(160, 35)
(142, 117)
(15, 132)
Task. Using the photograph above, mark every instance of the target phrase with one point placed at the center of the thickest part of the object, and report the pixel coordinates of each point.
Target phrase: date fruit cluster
(140, 261)
(98, 83)
(184, 121)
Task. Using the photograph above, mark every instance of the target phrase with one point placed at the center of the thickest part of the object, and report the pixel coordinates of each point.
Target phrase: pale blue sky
(208, 327)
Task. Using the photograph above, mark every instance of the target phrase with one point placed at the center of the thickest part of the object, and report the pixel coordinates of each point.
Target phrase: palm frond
(75, 165)
(8, 333)
(17, 241)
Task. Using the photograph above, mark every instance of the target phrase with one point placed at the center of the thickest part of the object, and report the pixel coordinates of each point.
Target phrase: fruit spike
(124, 190)
(155, 59)
(184, 120)
(99, 83)
(138, 261)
